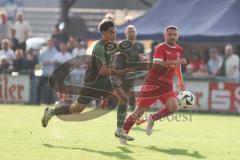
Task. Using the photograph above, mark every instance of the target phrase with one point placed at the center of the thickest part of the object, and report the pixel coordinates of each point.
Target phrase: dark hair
(171, 27)
(105, 24)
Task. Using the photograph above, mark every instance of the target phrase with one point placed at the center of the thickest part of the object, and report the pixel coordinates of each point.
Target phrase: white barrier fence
(14, 88)
(209, 95)
(215, 96)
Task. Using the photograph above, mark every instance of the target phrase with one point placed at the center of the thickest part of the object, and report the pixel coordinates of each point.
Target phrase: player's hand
(182, 61)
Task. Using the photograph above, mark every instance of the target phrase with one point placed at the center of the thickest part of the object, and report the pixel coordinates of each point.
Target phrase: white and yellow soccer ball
(186, 99)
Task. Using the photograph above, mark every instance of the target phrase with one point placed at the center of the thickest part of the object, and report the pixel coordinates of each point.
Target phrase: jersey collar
(170, 46)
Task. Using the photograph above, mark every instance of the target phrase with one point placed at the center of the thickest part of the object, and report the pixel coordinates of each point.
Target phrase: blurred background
(32, 32)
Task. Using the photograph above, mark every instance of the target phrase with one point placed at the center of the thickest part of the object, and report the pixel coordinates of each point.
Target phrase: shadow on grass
(120, 155)
(177, 152)
(125, 149)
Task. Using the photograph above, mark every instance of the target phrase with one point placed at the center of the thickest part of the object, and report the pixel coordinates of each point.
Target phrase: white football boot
(150, 124)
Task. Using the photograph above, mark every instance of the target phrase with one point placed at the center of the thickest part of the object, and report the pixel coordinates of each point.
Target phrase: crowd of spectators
(59, 48)
(16, 58)
(217, 65)
(13, 54)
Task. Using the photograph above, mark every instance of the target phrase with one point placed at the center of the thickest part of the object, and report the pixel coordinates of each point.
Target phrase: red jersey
(164, 52)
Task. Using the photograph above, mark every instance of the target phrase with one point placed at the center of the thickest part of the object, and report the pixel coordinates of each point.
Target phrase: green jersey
(100, 53)
(133, 53)
(99, 57)
(92, 78)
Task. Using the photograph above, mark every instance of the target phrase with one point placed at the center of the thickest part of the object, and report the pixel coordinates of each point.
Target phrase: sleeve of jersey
(98, 52)
(158, 55)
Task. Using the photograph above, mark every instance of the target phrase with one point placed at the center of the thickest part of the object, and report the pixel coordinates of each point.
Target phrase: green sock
(121, 115)
(63, 110)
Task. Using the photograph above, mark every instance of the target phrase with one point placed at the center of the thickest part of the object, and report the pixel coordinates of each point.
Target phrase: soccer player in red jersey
(158, 84)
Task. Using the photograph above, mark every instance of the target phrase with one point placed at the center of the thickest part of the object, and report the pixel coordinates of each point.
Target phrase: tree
(66, 5)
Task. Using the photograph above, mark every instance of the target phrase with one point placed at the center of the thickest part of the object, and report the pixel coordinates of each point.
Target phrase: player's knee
(76, 108)
(172, 105)
(121, 96)
(173, 108)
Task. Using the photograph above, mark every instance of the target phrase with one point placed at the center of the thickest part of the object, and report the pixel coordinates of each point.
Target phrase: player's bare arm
(159, 64)
(178, 72)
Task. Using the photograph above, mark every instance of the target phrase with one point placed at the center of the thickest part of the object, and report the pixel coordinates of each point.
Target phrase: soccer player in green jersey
(98, 76)
(133, 55)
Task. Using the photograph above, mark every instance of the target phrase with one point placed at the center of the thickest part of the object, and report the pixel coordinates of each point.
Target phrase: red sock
(164, 112)
(130, 121)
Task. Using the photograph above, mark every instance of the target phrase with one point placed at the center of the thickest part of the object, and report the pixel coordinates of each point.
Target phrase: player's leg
(121, 113)
(61, 109)
(171, 106)
(129, 85)
(66, 107)
(132, 100)
(143, 103)
(131, 120)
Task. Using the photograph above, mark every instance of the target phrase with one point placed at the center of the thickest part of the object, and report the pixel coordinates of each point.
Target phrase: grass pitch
(198, 136)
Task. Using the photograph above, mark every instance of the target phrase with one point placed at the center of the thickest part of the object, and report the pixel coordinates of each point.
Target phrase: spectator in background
(202, 72)
(71, 44)
(30, 62)
(196, 61)
(7, 51)
(80, 49)
(78, 74)
(12, 7)
(55, 33)
(47, 64)
(4, 64)
(195, 64)
(215, 62)
(231, 63)
(60, 58)
(5, 27)
(23, 31)
(133, 55)
(18, 63)
(14, 40)
(59, 36)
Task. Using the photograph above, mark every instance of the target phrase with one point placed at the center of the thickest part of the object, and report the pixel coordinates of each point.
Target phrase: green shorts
(102, 87)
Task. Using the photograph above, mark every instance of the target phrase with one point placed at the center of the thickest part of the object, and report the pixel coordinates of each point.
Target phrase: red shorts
(152, 91)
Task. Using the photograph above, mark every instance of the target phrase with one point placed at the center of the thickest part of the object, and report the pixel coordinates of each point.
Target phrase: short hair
(105, 24)
(171, 27)
(5, 40)
(132, 27)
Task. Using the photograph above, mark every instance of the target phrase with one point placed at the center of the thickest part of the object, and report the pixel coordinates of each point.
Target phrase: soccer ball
(186, 99)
